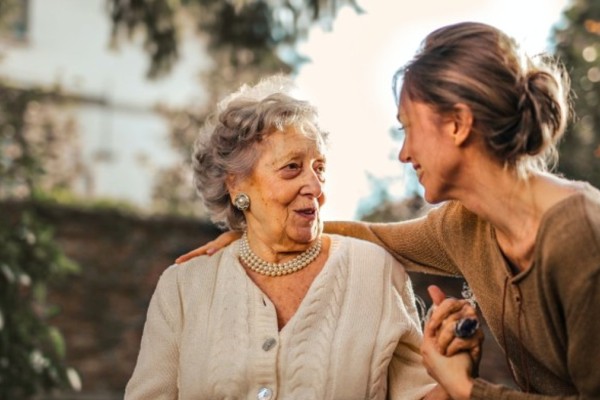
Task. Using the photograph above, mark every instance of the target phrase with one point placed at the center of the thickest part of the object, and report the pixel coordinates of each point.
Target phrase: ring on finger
(466, 328)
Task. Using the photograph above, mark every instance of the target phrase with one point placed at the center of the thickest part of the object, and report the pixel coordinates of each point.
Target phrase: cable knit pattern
(381, 361)
(228, 376)
(211, 333)
(311, 356)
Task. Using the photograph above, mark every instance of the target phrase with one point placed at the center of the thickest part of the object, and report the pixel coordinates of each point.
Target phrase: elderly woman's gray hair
(227, 145)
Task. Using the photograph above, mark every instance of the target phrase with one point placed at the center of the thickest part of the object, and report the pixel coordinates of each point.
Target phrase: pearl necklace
(263, 267)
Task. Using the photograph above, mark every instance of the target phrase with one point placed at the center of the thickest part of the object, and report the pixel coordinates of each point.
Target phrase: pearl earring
(241, 201)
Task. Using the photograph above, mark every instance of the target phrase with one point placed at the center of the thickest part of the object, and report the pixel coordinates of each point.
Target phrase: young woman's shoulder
(591, 211)
(570, 232)
(578, 213)
(591, 200)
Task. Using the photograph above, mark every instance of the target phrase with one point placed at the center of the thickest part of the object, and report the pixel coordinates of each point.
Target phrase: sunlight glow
(349, 79)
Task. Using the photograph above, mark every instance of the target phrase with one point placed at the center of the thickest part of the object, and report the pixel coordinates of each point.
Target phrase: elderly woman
(285, 311)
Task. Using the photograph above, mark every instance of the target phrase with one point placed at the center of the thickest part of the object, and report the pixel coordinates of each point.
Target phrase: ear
(232, 184)
(463, 123)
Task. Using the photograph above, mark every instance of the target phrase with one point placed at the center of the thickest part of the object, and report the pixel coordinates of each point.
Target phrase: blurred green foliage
(251, 32)
(32, 351)
(577, 40)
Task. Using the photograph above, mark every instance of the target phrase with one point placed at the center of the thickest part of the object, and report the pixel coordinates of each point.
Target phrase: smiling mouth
(307, 212)
(418, 171)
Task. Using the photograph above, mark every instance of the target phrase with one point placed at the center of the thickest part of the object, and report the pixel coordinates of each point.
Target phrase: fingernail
(210, 252)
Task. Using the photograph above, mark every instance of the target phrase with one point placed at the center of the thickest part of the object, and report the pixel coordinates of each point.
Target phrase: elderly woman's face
(286, 189)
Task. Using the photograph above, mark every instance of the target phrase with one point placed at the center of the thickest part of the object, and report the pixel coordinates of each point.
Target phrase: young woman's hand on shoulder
(211, 247)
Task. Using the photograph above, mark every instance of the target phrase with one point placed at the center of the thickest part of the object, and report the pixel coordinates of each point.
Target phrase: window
(14, 19)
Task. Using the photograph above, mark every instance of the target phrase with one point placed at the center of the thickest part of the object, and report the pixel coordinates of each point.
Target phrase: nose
(313, 184)
(403, 156)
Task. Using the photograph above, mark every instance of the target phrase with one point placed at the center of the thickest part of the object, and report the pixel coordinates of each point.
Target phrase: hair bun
(543, 108)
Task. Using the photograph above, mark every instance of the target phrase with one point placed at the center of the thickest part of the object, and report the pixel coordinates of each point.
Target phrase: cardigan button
(268, 344)
(264, 394)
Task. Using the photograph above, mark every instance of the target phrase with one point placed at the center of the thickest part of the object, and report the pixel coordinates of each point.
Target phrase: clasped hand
(450, 360)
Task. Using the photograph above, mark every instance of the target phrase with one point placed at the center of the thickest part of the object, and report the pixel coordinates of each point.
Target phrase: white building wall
(68, 43)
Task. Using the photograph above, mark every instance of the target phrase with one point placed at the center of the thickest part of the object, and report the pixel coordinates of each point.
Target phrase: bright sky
(349, 78)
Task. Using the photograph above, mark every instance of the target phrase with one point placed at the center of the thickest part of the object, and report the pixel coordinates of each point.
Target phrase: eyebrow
(287, 157)
(291, 154)
(295, 154)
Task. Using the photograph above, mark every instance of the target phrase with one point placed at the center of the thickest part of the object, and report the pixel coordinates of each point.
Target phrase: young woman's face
(286, 190)
(429, 147)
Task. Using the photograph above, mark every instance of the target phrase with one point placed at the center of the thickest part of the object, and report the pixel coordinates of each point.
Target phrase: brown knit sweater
(546, 318)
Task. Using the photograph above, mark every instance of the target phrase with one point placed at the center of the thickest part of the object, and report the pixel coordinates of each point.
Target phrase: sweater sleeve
(408, 378)
(155, 373)
(420, 244)
(483, 390)
(582, 299)
(583, 326)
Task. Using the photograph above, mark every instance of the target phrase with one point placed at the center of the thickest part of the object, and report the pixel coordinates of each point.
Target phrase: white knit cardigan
(212, 334)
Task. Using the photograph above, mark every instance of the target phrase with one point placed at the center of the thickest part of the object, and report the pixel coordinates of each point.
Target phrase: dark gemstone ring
(465, 328)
